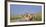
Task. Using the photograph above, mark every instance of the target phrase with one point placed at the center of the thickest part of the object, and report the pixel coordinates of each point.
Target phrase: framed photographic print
(20, 13)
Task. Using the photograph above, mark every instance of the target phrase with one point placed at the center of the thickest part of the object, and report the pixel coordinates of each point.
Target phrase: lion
(28, 17)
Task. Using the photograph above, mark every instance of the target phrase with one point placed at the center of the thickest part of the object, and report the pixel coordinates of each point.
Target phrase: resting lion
(28, 17)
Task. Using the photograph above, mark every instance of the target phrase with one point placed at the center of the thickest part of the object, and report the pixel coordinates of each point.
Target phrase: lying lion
(28, 17)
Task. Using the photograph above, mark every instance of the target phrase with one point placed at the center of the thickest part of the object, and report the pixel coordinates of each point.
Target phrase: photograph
(19, 13)
(23, 13)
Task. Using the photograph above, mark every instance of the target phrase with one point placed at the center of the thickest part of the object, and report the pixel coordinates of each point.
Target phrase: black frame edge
(22, 2)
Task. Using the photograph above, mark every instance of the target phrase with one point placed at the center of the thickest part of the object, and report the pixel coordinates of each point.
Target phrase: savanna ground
(20, 18)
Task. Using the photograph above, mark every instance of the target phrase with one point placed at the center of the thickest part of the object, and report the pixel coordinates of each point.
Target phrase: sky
(22, 9)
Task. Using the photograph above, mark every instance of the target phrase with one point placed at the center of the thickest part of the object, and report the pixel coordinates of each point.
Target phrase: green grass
(37, 18)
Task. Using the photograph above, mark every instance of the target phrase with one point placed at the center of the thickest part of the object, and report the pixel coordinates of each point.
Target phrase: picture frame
(8, 12)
